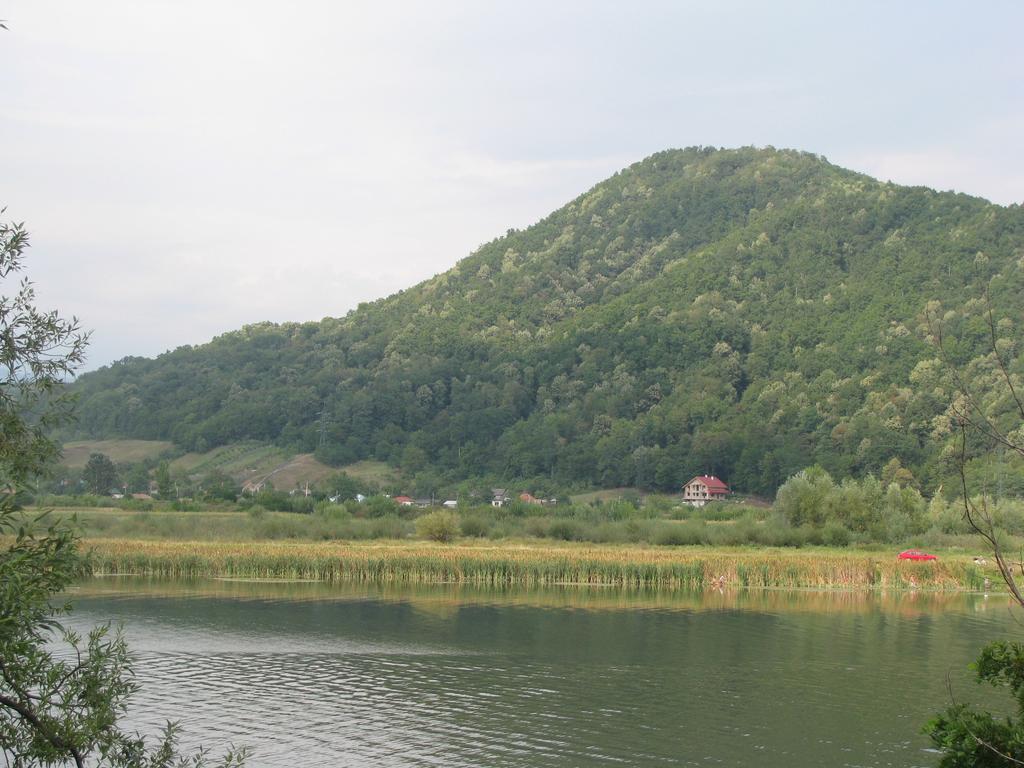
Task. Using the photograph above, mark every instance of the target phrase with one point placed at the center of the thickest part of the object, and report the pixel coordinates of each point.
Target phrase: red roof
(713, 483)
(402, 500)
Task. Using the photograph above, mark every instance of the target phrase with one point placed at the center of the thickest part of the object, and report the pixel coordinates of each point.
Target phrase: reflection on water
(336, 675)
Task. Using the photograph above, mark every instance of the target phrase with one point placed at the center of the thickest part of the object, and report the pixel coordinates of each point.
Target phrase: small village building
(704, 488)
(527, 498)
(499, 497)
(450, 504)
(404, 501)
(142, 497)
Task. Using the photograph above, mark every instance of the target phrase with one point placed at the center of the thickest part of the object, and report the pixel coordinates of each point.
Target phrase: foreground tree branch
(62, 697)
(968, 737)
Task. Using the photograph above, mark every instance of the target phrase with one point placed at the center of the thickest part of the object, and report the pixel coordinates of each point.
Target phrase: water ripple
(363, 683)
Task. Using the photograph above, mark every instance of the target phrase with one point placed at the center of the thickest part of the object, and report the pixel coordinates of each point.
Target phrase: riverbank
(529, 564)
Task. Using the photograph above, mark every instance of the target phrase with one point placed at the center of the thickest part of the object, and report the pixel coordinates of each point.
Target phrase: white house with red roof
(704, 488)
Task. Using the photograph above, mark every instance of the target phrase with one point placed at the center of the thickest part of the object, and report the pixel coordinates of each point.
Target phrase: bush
(504, 529)
(389, 527)
(634, 531)
(441, 525)
(302, 504)
(620, 510)
(566, 530)
(720, 510)
(835, 535)
(330, 511)
(72, 500)
(777, 534)
(680, 534)
(536, 527)
(609, 533)
(802, 498)
(476, 527)
(379, 506)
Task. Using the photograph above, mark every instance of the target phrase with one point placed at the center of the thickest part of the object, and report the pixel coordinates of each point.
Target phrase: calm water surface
(351, 675)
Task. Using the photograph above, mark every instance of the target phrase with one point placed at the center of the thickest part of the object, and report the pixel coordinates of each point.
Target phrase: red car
(916, 554)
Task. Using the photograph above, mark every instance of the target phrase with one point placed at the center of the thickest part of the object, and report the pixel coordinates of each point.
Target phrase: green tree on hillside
(164, 482)
(216, 484)
(100, 474)
(343, 486)
(137, 478)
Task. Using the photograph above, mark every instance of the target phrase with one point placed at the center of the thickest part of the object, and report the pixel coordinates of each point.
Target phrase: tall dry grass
(629, 567)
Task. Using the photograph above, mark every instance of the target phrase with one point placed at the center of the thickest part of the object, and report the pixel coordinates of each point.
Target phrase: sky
(186, 168)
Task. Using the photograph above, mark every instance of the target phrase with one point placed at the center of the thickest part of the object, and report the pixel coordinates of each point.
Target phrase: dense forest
(745, 313)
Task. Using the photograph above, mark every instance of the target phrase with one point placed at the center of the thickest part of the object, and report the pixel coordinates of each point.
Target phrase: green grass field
(604, 495)
(376, 473)
(236, 459)
(75, 454)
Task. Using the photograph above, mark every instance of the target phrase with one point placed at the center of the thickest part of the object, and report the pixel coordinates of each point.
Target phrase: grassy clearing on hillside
(299, 470)
(605, 494)
(76, 454)
(517, 564)
(256, 461)
(235, 460)
(376, 473)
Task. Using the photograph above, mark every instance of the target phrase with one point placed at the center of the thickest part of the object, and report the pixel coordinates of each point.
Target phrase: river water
(356, 675)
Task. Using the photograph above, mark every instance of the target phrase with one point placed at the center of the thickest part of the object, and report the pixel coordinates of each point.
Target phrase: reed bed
(618, 566)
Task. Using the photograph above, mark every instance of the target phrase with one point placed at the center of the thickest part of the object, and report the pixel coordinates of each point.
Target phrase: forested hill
(743, 312)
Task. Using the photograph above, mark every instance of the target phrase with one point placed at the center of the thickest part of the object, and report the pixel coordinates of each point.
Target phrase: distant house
(423, 503)
(499, 497)
(526, 498)
(142, 497)
(450, 504)
(404, 501)
(703, 489)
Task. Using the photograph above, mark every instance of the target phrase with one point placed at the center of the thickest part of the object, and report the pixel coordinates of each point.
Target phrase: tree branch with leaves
(62, 696)
(985, 408)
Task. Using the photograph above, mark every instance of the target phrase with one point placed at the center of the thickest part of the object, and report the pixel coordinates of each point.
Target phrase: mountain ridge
(701, 309)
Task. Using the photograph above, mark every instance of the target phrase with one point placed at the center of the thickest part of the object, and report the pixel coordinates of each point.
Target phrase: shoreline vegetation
(529, 565)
